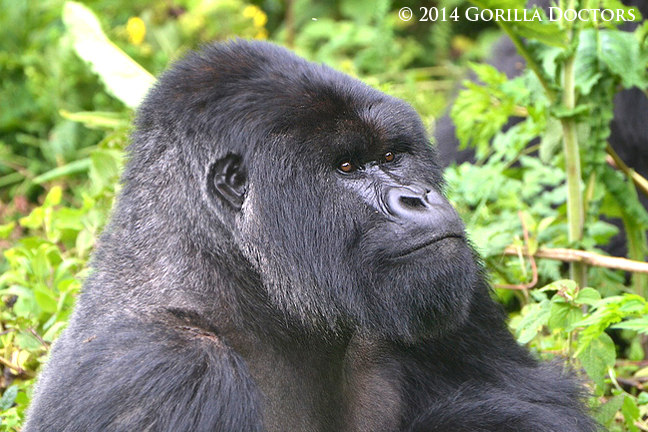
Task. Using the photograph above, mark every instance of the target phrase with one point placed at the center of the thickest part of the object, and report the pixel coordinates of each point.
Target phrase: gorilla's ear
(227, 180)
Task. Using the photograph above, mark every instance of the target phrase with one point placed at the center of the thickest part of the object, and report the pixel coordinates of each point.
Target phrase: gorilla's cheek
(315, 267)
(296, 248)
(426, 293)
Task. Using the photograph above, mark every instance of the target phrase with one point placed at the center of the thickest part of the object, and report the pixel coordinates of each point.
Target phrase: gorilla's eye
(388, 157)
(347, 166)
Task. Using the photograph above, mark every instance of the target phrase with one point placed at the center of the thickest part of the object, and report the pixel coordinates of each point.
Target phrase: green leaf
(364, 11)
(605, 414)
(642, 399)
(27, 341)
(536, 316)
(6, 229)
(566, 285)
(34, 220)
(8, 398)
(586, 62)
(588, 296)
(75, 167)
(63, 142)
(601, 231)
(69, 218)
(562, 315)
(45, 299)
(597, 358)
(84, 242)
(26, 305)
(551, 140)
(104, 170)
(40, 265)
(54, 331)
(622, 55)
(53, 197)
(630, 411)
(97, 119)
(638, 324)
(123, 77)
(561, 112)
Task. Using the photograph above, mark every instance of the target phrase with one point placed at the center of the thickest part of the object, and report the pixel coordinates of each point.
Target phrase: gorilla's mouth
(420, 246)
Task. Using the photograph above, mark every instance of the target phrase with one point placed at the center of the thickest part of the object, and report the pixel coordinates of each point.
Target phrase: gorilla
(282, 258)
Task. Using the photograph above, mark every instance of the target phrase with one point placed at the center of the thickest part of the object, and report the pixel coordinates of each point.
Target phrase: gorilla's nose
(420, 205)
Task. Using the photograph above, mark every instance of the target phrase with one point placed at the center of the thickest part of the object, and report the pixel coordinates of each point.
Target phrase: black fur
(246, 283)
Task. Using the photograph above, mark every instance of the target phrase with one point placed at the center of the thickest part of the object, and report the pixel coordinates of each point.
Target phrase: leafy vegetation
(71, 79)
(566, 97)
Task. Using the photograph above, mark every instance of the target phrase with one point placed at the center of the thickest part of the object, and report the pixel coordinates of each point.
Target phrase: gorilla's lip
(426, 244)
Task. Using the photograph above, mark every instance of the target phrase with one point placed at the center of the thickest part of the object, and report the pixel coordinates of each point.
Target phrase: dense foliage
(70, 84)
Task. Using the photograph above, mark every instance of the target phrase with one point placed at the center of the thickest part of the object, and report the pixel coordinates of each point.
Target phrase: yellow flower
(250, 11)
(347, 66)
(136, 30)
(258, 16)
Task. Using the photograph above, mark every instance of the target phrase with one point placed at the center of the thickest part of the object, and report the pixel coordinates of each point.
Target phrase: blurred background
(66, 114)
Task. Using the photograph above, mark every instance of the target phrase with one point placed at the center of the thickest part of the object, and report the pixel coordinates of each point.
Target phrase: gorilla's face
(344, 219)
(331, 192)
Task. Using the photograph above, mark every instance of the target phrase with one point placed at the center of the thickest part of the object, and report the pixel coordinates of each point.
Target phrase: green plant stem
(640, 182)
(575, 208)
(531, 63)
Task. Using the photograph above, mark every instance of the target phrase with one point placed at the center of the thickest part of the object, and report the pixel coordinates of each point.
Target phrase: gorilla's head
(324, 188)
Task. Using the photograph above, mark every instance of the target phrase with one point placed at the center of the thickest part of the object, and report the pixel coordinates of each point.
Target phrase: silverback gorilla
(282, 258)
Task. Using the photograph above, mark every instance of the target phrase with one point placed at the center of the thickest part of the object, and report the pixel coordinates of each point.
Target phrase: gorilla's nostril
(412, 202)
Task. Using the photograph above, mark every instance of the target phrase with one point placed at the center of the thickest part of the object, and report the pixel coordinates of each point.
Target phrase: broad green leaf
(105, 167)
(40, 264)
(45, 298)
(8, 398)
(621, 53)
(551, 140)
(34, 220)
(562, 315)
(598, 357)
(630, 411)
(69, 218)
(601, 231)
(605, 414)
(535, 317)
(123, 77)
(25, 305)
(54, 196)
(588, 296)
(586, 62)
(6, 229)
(27, 341)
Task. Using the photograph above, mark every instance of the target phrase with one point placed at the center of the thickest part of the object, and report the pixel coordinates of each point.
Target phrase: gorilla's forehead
(338, 119)
(251, 90)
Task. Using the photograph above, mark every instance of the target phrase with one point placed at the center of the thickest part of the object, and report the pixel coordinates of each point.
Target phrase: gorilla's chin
(425, 294)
